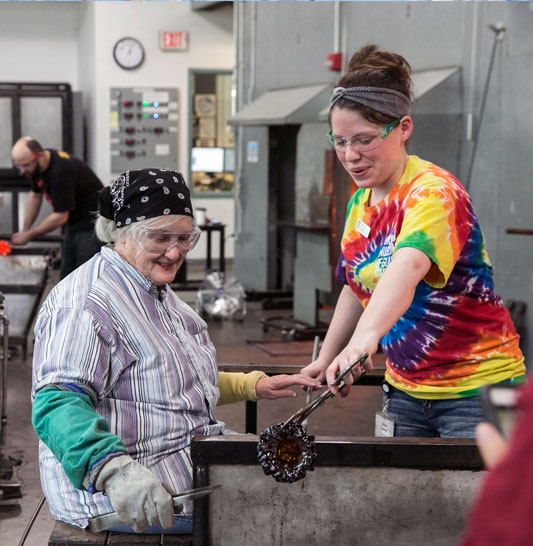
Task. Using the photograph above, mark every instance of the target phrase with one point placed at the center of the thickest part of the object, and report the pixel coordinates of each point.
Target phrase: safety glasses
(25, 165)
(160, 241)
(362, 143)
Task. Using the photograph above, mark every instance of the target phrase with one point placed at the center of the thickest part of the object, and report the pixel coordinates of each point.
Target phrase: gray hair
(107, 231)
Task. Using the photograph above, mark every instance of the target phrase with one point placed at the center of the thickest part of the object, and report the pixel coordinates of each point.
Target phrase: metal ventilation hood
(296, 105)
(291, 105)
(424, 81)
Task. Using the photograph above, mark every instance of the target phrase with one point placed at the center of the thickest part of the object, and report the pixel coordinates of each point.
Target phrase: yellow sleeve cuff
(236, 387)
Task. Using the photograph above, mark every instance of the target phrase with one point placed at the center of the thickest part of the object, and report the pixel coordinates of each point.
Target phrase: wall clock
(128, 53)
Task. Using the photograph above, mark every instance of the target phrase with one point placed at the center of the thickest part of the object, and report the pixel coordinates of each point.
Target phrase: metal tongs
(302, 414)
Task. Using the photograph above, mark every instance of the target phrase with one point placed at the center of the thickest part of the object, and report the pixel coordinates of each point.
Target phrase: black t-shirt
(70, 185)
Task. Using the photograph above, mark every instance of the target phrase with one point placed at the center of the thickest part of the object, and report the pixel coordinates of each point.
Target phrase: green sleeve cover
(79, 437)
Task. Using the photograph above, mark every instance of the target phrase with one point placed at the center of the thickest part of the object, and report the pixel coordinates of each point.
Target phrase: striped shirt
(148, 358)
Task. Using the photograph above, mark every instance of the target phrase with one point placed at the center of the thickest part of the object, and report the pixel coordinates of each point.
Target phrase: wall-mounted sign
(173, 40)
(252, 151)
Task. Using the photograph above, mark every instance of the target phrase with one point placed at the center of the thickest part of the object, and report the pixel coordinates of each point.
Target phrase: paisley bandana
(144, 193)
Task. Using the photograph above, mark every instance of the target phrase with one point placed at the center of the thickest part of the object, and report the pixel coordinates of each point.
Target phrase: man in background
(70, 186)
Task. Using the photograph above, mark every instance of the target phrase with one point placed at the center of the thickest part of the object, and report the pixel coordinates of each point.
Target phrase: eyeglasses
(25, 165)
(362, 143)
(159, 241)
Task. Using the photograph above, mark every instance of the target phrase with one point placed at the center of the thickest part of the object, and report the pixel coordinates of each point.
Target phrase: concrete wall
(73, 42)
(290, 47)
(39, 42)
(347, 506)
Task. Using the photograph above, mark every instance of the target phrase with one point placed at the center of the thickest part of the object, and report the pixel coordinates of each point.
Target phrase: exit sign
(173, 40)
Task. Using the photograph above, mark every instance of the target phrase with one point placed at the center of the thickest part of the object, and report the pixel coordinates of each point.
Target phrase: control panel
(144, 128)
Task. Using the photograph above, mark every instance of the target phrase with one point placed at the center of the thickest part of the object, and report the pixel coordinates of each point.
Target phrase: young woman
(417, 278)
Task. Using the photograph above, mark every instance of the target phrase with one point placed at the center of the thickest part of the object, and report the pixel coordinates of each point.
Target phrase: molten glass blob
(286, 454)
(5, 248)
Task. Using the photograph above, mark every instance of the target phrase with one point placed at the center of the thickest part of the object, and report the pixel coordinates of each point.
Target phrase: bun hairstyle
(372, 67)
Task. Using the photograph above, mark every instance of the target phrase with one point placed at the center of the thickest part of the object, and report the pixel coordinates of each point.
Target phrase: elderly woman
(124, 371)
(417, 276)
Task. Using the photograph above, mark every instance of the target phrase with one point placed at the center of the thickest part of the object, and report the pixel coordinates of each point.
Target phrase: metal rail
(499, 32)
(3, 369)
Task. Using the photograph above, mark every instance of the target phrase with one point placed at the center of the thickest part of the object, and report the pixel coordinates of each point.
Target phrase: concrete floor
(339, 417)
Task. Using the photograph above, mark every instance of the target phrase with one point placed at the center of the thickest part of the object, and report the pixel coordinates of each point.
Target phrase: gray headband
(386, 101)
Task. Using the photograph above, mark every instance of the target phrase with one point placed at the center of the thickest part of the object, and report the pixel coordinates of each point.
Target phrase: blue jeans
(77, 248)
(182, 526)
(448, 418)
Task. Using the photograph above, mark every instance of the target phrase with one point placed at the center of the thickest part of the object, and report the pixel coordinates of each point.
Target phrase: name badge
(384, 427)
(362, 228)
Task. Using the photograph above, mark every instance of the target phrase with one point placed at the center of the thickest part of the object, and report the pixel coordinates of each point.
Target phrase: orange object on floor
(5, 248)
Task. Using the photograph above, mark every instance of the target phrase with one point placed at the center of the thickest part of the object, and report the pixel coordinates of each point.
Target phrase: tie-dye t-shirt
(456, 335)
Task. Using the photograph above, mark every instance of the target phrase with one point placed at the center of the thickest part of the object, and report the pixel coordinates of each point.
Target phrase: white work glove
(139, 498)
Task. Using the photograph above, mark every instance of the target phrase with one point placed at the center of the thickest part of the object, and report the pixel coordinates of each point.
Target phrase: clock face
(128, 53)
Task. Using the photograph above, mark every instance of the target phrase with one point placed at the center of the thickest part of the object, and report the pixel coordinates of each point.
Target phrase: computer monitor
(207, 160)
